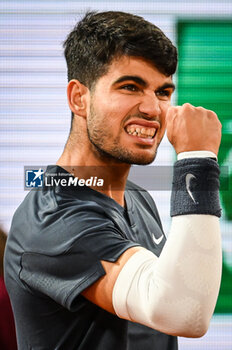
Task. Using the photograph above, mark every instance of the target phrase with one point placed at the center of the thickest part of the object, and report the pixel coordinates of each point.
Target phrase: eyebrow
(135, 78)
(166, 86)
(142, 82)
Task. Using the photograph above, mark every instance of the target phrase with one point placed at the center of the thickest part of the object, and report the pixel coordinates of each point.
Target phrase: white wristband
(196, 154)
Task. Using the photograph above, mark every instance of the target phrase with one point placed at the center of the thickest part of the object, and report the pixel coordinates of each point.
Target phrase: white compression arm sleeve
(177, 292)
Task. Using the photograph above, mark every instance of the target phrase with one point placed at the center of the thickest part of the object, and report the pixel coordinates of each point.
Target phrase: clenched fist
(192, 128)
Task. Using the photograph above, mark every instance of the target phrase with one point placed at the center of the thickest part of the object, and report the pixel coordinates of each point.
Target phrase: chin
(143, 161)
(137, 159)
(124, 155)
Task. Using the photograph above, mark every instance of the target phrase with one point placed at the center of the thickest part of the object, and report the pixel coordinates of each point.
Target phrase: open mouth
(141, 131)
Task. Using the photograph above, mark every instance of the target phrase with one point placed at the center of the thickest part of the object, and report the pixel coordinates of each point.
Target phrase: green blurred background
(205, 79)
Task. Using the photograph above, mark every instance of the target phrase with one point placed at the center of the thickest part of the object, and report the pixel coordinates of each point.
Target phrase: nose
(150, 105)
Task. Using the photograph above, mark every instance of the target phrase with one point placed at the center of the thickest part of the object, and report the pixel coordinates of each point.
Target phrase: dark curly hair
(100, 37)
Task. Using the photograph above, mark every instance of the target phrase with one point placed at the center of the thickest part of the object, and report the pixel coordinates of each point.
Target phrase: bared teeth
(141, 131)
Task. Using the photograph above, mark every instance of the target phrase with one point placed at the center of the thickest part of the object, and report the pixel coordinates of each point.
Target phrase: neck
(84, 162)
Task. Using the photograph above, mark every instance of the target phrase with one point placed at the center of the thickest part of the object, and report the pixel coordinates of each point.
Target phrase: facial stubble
(112, 151)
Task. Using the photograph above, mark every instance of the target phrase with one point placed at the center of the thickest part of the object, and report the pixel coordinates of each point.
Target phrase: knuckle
(213, 116)
(211, 113)
(201, 109)
(187, 106)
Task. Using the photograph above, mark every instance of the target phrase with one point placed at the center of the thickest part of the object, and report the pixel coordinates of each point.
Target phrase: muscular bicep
(100, 293)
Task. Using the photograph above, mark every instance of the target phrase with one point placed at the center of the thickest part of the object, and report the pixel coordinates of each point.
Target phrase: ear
(77, 97)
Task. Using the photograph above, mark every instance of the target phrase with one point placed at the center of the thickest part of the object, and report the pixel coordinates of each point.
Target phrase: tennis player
(89, 267)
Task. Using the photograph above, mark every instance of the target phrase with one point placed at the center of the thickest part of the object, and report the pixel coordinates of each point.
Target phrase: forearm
(187, 276)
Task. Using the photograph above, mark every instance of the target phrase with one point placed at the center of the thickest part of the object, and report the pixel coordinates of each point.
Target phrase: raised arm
(177, 292)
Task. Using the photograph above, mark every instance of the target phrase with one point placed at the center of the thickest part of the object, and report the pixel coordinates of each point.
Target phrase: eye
(163, 94)
(130, 87)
